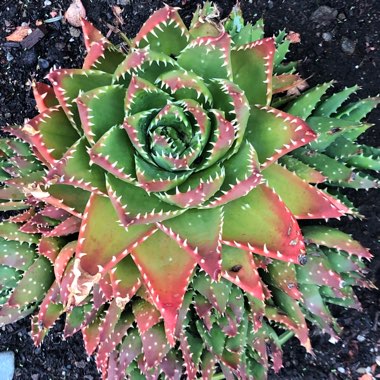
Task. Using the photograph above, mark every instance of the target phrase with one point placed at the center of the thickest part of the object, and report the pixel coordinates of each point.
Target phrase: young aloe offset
(162, 193)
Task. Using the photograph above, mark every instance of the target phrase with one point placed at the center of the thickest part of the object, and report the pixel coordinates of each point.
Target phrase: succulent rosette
(162, 204)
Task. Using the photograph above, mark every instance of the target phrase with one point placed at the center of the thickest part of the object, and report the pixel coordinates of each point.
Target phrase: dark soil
(340, 42)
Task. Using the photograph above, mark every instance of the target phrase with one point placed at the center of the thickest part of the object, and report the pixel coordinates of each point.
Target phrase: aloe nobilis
(161, 194)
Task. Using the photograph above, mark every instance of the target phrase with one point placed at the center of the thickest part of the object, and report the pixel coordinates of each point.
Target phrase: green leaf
(94, 106)
(330, 105)
(304, 201)
(208, 57)
(304, 106)
(302, 170)
(143, 96)
(231, 99)
(282, 49)
(68, 197)
(75, 169)
(336, 172)
(125, 279)
(164, 31)
(166, 274)
(314, 303)
(333, 238)
(253, 63)
(11, 232)
(135, 206)
(328, 130)
(196, 190)
(103, 56)
(144, 64)
(9, 277)
(274, 133)
(249, 33)
(242, 174)
(214, 339)
(198, 232)
(358, 110)
(240, 268)
(16, 254)
(369, 159)
(35, 283)
(154, 179)
(103, 240)
(217, 293)
(69, 83)
(115, 154)
(269, 227)
(185, 85)
(51, 133)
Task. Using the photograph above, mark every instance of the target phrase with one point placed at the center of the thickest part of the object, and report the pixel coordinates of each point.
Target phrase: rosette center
(171, 142)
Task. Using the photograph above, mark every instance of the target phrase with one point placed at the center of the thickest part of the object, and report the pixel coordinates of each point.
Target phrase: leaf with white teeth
(200, 187)
(143, 96)
(146, 64)
(114, 153)
(304, 201)
(264, 233)
(254, 62)
(74, 169)
(242, 174)
(274, 133)
(136, 206)
(208, 57)
(185, 85)
(69, 83)
(93, 106)
(166, 291)
(164, 32)
(199, 233)
(51, 133)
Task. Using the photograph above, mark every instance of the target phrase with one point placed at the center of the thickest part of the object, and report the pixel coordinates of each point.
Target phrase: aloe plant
(162, 195)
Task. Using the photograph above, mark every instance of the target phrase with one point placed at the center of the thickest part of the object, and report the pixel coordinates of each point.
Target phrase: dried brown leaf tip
(19, 34)
(293, 37)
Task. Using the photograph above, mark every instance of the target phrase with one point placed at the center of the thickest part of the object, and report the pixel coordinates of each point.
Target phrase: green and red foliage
(161, 195)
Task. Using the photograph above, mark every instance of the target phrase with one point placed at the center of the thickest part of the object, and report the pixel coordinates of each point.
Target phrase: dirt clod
(348, 46)
(324, 15)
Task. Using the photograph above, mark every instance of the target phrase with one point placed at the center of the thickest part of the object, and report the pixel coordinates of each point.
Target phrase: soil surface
(339, 40)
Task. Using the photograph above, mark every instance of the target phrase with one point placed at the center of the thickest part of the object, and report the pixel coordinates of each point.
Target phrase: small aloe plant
(161, 195)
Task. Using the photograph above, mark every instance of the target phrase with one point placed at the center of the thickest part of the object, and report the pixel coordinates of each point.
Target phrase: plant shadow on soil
(340, 43)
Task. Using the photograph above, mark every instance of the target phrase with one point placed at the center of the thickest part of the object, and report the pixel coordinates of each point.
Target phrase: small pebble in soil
(43, 63)
(341, 370)
(7, 365)
(9, 57)
(327, 36)
(348, 46)
(360, 338)
(324, 15)
(74, 32)
(341, 17)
